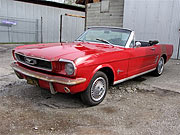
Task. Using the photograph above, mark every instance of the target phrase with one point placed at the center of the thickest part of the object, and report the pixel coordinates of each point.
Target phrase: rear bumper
(46, 77)
(52, 82)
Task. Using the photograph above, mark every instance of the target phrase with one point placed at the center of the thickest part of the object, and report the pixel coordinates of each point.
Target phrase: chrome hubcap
(161, 66)
(98, 89)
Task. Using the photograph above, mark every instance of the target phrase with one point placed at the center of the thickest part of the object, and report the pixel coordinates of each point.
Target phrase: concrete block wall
(99, 14)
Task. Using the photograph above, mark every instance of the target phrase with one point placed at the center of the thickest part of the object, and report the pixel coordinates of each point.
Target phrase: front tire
(160, 67)
(96, 91)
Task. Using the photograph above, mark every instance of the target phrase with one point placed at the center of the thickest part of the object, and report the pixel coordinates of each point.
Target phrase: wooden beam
(75, 15)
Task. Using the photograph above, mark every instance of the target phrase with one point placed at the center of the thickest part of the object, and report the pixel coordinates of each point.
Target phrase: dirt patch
(109, 110)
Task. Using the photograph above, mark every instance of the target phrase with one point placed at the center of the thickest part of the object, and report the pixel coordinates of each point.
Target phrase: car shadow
(60, 100)
(43, 99)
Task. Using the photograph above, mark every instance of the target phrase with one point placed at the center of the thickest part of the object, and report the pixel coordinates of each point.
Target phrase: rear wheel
(96, 91)
(160, 67)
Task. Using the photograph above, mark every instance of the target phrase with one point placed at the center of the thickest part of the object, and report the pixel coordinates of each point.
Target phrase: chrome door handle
(153, 48)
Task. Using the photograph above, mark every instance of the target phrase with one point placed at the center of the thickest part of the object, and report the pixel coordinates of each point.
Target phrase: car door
(141, 59)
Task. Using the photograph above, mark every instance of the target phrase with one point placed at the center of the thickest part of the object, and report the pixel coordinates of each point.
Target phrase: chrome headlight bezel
(69, 68)
(69, 64)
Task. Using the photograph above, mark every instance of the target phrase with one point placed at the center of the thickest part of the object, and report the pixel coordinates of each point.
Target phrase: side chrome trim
(131, 77)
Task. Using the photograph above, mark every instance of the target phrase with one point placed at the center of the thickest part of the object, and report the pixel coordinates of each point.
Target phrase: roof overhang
(54, 4)
(83, 2)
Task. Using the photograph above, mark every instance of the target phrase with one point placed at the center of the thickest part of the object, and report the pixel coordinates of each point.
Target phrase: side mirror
(154, 42)
(138, 44)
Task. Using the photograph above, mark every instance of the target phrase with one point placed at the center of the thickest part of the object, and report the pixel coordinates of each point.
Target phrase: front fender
(99, 67)
(103, 66)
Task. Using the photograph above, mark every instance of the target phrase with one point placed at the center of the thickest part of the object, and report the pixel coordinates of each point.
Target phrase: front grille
(34, 62)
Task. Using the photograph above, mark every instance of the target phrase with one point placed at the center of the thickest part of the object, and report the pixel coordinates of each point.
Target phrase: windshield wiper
(103, 40)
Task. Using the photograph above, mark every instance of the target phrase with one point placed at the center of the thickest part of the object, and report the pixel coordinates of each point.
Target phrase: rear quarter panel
(165, 49)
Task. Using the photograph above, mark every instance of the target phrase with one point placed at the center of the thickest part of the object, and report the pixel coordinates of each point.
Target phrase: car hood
(70, 51)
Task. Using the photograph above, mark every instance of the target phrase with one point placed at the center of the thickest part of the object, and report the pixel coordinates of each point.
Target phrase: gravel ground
(143, 106)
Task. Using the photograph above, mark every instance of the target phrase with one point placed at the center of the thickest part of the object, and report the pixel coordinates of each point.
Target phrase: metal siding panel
(56, 25)
(4, 36)
(175, 26)
(3, 9)
(55, 18)
(72, 28)
(128, 18)
(45, 22)
(165, 12)
(20, 10)
(11, 9)
(49, 24)
(29, 10)
(37, 15)
(37, 12)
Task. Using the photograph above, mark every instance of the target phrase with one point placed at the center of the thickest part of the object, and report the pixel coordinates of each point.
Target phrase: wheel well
(165, 58)
(110, 75)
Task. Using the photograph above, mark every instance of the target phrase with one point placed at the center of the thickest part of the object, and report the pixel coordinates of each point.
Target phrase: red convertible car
(100, 57)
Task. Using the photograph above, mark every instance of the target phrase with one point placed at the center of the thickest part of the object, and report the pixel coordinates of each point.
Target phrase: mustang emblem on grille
(30, 61)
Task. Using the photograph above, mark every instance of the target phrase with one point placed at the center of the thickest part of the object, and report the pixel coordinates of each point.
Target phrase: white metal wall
(154, 19)
(71, 29)
(18, 29)
(51, 16)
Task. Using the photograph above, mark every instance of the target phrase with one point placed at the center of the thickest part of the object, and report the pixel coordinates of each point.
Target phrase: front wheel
(160, 67)
(96, 91)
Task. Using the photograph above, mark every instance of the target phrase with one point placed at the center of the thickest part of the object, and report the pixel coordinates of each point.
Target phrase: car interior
(150, 43)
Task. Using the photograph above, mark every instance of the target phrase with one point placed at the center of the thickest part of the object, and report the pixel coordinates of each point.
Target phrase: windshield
(115, 36)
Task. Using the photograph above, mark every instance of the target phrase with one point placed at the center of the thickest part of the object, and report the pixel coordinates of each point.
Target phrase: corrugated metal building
(20, 21)
(154, 19)
(151, 19)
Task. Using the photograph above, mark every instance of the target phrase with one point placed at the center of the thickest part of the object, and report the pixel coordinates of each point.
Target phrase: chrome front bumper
(46, 77)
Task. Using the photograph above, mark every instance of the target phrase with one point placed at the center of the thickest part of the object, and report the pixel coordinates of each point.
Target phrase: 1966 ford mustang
(100, 57)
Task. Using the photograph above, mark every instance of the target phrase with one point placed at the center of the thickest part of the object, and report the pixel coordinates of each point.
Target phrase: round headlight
(69, 68)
